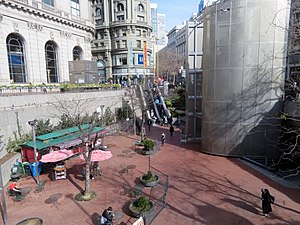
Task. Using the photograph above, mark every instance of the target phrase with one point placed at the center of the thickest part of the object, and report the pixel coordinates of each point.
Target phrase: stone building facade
(39, 37)
(122, 45)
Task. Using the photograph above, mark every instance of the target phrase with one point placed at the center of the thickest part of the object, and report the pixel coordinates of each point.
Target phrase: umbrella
(56, 156)
(98, 155)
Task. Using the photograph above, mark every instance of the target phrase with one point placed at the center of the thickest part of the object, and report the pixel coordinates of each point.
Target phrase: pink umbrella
(56, 156)
(99, 155)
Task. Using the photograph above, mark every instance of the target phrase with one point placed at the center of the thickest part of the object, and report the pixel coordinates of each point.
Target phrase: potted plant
(148, 146)
(149, 179)
(140, 207)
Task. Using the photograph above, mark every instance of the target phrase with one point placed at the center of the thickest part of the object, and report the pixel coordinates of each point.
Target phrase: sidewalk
(203, 189)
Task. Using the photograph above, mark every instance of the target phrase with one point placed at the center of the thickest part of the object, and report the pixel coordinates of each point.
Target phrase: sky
(176, 11)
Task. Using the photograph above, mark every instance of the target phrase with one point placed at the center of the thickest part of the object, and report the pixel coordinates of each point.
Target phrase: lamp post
(102, 107)
(33, 123)
(3, 204)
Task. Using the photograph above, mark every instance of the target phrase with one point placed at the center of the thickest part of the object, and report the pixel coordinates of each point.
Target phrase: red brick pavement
(204, 189)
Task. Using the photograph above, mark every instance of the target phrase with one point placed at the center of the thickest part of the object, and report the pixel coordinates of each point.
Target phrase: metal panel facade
(241, 77)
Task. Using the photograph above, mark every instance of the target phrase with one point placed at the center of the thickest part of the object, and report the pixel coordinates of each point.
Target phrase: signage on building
(145, 54)
(140, 59)
(130, 54)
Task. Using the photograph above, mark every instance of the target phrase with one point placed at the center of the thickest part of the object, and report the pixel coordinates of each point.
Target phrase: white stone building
(122, 46)
(39, 37)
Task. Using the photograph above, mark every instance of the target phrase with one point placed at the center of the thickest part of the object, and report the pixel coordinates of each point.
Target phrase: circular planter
(147, 152)
(151, 183)
(31, 221)
(138, 214)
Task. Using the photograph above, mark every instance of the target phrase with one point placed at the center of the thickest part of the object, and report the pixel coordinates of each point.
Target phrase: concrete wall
(7, 165)
(44, 106)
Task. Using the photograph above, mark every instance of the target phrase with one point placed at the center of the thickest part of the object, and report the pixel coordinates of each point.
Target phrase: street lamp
(33, 124)
(3, 202)
(102, 107)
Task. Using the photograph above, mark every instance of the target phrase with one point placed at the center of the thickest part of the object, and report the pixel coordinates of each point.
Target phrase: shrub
(142, 204)
(149, 177)
(148, 144)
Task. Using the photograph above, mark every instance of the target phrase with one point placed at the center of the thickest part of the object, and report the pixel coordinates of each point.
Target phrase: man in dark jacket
(108, 216)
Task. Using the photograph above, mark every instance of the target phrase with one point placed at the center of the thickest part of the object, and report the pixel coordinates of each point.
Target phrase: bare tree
(168, 64)
(76, 112)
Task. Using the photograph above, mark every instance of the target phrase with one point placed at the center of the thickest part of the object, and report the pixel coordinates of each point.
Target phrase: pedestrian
(107, 217)
(149, 122)
(14, 189)
(163, 139)
(267, 200)
(171, 130)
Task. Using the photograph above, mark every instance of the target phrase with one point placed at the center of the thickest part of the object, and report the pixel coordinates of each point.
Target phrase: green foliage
(65, 122)
(141, 202)
(108, 117)
(149, 177)
(168, 103)
(177, 100)
(43, 127)
(124, 113)
(148, 144)
(13, 145)
(283, 116)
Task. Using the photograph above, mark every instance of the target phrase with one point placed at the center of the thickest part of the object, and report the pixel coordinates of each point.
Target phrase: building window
(120, 7)
(124, 43)
(98, 12)
(75, 10)
(16, 59)
(141, 18)
(119, 60)
(49, 2)
(120, 18)
(141, 8)
(139, 44)
(138, 33)
(51, 62)
(118, 44)
(77, 53)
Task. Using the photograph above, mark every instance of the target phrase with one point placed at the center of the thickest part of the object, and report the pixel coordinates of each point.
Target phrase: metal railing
(161, 202)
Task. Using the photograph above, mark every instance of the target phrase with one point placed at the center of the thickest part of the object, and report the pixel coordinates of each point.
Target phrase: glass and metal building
(40, 37)
(122, 45)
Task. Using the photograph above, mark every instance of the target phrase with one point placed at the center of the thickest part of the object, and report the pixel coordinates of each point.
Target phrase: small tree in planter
(149, 179)
(140, 206)
(148, 146)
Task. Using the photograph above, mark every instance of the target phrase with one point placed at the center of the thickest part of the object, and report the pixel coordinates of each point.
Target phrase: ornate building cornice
(50, 13)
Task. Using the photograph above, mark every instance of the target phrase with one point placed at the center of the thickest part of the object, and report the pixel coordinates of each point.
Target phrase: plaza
(203, 189)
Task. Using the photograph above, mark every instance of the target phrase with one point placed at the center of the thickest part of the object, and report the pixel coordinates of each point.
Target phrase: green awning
(52, 142)
(60, 133)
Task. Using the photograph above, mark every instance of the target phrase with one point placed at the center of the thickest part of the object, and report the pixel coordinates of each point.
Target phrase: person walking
(267, 200)
(163, 139)
(171, 130)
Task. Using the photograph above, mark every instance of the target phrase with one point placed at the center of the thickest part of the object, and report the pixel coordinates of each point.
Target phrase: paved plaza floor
(203, 189)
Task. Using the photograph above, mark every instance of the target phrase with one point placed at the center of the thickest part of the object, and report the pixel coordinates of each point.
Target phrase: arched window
(16, 59)
(77, 53)
(120, 7)
(51, 62)
(140, 8)
(98, 12)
